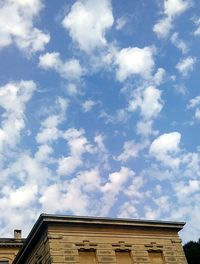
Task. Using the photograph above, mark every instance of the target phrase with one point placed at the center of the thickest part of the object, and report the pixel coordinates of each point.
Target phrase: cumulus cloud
(78, 195)
(128, 210)
(13, 100)
(186, 65)
(134, 61)
(145, 128)
(159, 76)
(49, 130)
(183, 190)
(148, 101)
(131, 149)
(194, 104)
(21, 197)
(179, 43)
(113, 186)
(69, 69)
(171, 9)
(75, 195)
(117, 179)
(163, 27)
(121, 22)
(87, 23)
(78, 145)
(176, 7)
(165, 147)
(19, 29)
(88, 105)
(28, 169)
(197, 31)
(134, 189)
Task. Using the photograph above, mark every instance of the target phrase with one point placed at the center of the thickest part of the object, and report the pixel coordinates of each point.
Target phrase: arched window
(4, 262)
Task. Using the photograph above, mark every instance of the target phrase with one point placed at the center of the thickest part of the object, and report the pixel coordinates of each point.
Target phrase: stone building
(9, 247)
(93, 240)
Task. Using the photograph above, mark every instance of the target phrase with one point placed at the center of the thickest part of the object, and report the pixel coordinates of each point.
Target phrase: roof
(11, 242)
(46, 219)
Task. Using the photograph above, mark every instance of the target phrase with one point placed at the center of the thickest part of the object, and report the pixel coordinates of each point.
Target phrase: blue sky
(99, 110)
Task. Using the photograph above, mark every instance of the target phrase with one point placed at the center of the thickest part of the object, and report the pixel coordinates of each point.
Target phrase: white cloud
(133, 190)
(26, 169)
(197, 31)
(87, 23)
(102, 151)
(159, 76)
(197, 114)
(186, 65)
(171, 9)
(112, 188)
(49, 130)
(131, 61)
(50, 60)
(19, 28)
(21, 197)
(148, 101)
(50, 199)
(179, 43)
(117, 180)
(72, 196)
(191, 161)
(145, 128)
(176, 7)
(70, 69)
(131, 150)
(43, 153)
(68, 165)
(13, 99)
(128, 210)
(78, 145)
(49, 127)
(88, 105)
(166, 143)
(120, 23)
(165, 147)
(163, 27)
(77, 141)
(183, 190)
(72, 89)
(194, 104)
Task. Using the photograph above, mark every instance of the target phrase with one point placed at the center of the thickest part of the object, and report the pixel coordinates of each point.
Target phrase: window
(123, 257)
(4, 262)
(156, 257)
(87, 256)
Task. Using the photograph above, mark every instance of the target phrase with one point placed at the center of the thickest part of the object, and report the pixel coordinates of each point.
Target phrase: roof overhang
(45, 220)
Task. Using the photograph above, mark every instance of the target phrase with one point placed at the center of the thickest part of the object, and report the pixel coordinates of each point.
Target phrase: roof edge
(44, 219)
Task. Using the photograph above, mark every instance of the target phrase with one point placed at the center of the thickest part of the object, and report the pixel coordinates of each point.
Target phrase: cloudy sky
(100, 110)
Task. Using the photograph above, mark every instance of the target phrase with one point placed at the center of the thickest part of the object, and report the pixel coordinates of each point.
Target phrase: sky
(100, 111)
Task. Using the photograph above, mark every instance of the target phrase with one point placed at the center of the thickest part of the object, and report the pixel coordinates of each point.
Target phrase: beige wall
(74, 245)
(40, 253)
(8, 253)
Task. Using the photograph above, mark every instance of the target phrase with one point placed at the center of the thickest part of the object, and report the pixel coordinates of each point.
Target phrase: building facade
(92, 240)
(9, 247)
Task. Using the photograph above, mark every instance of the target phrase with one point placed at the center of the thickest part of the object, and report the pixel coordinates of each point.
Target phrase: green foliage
(192, 252)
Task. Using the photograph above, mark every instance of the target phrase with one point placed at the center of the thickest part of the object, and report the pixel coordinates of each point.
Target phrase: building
(9, 247)
(92, 240)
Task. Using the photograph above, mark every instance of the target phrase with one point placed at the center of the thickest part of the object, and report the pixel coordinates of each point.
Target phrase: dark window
(156, 257)
(123, 257)
(88, 257)
(4, 262)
